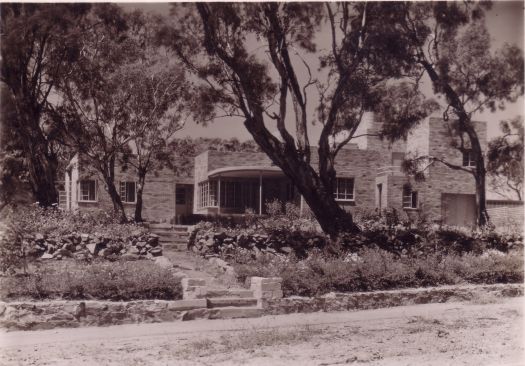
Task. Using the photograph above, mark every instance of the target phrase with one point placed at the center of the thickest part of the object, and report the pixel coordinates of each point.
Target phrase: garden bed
(100, 280)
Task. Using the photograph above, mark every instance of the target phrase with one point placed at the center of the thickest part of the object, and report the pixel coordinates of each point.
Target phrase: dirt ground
(478, 334)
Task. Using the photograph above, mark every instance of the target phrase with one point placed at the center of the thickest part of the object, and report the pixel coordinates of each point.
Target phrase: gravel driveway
(434, 334)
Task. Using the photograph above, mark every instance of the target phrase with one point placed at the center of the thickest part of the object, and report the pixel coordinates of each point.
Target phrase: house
(369, 177)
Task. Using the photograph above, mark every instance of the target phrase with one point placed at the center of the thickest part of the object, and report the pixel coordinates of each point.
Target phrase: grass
(249, 341)
(96, 281)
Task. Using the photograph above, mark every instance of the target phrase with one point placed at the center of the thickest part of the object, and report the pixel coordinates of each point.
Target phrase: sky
(505, 24)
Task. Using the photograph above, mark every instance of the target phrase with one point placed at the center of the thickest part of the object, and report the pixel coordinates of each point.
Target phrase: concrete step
(221, 302)
(237, 293)
(235, 312)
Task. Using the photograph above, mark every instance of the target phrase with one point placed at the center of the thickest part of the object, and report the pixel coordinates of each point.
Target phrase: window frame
(123, 197)
(467, 157)
(207, 194)
(345, 194)
(80, 194)
(409, 197)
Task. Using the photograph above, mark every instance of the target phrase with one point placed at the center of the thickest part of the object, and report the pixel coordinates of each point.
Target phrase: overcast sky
(505, 24)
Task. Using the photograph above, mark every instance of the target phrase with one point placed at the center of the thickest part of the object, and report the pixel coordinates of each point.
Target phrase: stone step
(173, 240)
(237, 293)
(221, 302)
(172, 233)
(235, 312)
(175, 247)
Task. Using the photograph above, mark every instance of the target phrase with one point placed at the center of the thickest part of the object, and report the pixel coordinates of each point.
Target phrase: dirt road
(434, 334)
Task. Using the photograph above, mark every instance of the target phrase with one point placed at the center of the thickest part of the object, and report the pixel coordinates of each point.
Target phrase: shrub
(377, 269)
(100, 280)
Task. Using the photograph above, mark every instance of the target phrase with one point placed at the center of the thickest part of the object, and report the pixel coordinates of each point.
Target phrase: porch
(237, 190)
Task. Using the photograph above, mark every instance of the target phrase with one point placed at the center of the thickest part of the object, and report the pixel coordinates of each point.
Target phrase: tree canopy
(252, 62)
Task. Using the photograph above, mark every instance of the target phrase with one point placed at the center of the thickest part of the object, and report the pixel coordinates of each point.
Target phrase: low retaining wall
(385, 299)
(70, 314)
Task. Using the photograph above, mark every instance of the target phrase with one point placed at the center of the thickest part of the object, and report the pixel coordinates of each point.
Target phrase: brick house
(369, 176)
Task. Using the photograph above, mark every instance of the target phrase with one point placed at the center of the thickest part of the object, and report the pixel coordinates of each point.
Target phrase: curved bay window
(207, 194)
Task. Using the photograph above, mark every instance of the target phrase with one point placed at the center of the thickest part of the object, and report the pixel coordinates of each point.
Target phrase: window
(180, 196)
(88, 191)
(344, 189)
(207, 194)
(128, 192)
(409, 198)
(468, 159)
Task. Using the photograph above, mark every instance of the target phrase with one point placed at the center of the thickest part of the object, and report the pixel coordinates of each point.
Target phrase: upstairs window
(128, 192)
(410, 199)
(468, 159)
(87, 191)
(344, 189)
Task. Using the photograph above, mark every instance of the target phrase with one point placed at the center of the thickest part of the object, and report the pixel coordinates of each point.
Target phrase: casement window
(87, 191)
(410, 198)
(468, 159)
(128, 192)
(344, 189)
(207, 194)
(180, 196)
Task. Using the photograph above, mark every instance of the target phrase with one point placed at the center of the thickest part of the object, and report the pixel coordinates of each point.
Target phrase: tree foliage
(505, 159)
(256, 60)
(449, 41)
(39, 43)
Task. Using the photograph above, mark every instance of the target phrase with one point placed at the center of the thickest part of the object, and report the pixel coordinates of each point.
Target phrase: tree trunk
(331, 217)
(118, 207)
(42, 172)
(482, 216)
(140, 189)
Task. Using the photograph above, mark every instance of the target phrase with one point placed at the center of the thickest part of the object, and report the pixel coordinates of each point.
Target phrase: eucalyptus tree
(505, 159)
(39, 44)
(255, 60)
(93, 109)
(450, 42)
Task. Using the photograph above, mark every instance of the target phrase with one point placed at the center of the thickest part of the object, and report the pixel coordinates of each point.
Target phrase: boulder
(156, 252)
(47, 256)
(286, 250)
(64, 253)
(92, 247)
(163, 262)
(130, 257)
(141, 244)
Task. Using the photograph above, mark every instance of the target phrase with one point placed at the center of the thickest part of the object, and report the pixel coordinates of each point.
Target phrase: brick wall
(507, 218)
(158, 195)
(218, 159)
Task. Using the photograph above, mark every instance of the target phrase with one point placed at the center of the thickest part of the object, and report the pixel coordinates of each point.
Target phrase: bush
(101, 281)
(376, 269)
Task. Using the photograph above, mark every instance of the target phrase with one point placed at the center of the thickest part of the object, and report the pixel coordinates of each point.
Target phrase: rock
(39, 237)
(163, 262)
(92, 248)
(156, 252)
(102, 252)
(64, 253)
(286, 250)
(133, 250)
(46, 256)
(130, 257)
(141, 244)
(84, 237)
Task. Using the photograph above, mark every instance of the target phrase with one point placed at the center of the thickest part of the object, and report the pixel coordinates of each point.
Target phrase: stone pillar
(193, 288)
(265, 289)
